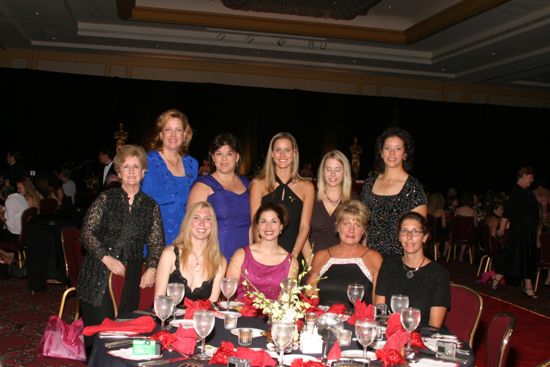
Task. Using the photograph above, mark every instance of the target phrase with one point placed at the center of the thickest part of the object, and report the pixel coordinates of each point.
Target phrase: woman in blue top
(171, 171)
(227, 192)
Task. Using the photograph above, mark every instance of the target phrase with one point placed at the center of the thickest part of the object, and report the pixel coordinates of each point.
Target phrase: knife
(162, 362)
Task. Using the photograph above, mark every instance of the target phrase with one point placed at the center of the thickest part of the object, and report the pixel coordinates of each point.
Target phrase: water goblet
(282, 334)
(355, 292)
(399, 302)
(228, 287)
(203, 322)
(163, 308)
(177, 292)
(410, 318)
(365, 331)
(288, 284)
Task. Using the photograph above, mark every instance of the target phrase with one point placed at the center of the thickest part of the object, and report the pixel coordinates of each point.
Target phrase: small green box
(147, 348)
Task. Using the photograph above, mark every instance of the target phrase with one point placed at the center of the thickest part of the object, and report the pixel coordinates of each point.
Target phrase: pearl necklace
(197, 263)
(333, 202)
(411, 271)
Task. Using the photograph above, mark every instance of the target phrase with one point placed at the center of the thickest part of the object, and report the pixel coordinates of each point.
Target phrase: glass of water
(355, 292)
(399, 302)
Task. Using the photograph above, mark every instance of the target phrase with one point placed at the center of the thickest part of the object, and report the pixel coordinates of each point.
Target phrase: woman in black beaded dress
(391, 191)
(118, 224)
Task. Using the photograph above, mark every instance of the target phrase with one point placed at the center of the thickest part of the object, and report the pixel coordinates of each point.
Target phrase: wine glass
(410, 318)
(355, 292)
(287, 285)
(399, 302)
(282, 334)
(228, 286)
(163, 308)
(176, 291)
(203, 322)
(365, 331)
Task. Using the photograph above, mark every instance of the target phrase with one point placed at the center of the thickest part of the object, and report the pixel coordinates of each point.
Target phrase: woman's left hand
(148, 278)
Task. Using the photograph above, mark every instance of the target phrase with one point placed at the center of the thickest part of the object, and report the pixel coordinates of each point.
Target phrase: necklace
(411, 271)
(172, 162)
(197, 263)
(333, 202)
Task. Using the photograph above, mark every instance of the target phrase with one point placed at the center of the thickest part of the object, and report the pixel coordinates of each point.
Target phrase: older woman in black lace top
(118, 224)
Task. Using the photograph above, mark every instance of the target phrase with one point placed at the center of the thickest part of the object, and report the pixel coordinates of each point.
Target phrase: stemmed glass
(355, 292)
(399, 302)
(203, 322)
(163, 308)
(288, 284)
(282, 334)
(410, 318)
(228, 286)
(365, 331)
(177, 292)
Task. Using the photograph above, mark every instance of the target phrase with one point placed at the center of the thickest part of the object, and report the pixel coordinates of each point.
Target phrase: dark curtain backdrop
(56, 119)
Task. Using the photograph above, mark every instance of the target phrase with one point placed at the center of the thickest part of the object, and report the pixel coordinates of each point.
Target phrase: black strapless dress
(202, 292)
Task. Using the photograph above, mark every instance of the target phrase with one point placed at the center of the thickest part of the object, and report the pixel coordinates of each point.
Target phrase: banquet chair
(462, 233)
(498, 339)
(19, 247)
(116, 286)
(544, 260)
(431, 244)
(463, 317)
(491, 248)
(74, 256)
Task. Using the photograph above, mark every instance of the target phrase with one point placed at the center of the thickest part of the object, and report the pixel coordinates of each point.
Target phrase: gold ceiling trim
(457, 13)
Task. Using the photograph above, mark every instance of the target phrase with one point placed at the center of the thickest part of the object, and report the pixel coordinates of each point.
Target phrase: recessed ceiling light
(443, 69)
(389, 6)
(493, 53)
(37, 13)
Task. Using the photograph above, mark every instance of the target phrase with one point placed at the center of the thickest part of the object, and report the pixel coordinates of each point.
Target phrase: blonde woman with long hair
(194, 258)
(279, 182)
(26, 188)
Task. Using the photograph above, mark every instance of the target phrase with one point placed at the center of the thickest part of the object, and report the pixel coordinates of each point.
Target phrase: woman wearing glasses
(426, 283)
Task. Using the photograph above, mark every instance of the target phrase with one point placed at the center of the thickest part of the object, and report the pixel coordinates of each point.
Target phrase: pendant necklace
(411, 271)
(197, 264)
(333, 202)
(171, 161)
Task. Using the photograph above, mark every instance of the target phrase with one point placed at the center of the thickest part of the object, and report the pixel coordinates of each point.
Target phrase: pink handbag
(62, 340)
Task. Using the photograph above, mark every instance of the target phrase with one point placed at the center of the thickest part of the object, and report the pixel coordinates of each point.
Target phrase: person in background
(351, 260)
(108, 177)
(333, 189)
(27, 189)
(426, 283)
(10, 214)
(116, 226)
(194, 259)
(279, 182)
(466, 209)
(205, 168)
(172, 171)
(438, 219)
(15, 169)
(519, 255)
(227, 192)
(391, 191)
(68, 185)
(307, 170)
(264, 263)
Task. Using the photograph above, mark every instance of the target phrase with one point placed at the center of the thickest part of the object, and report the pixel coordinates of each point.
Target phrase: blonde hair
(211, 252)
(129, 150)
(268, 171)
(355, 209)
(31, 194)
(156, 142)
(346, 182)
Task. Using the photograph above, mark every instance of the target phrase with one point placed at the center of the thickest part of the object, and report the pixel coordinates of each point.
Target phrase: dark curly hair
(219, 141)
(408, 141)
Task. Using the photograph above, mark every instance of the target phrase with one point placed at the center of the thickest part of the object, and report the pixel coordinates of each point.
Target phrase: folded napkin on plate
(186, 340)
(362, 311)
(390, 357)
(249, 311)
(141, 325)
(257, 358)
(398, 340)
(337, 308)
(192, 306)
(394, 324)
(335, 352)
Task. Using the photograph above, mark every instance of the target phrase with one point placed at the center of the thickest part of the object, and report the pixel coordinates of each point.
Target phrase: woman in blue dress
(172, 171)
(227, 192)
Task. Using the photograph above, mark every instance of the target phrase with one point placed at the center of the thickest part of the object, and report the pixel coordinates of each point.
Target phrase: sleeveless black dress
(202, 292)
(293, 204)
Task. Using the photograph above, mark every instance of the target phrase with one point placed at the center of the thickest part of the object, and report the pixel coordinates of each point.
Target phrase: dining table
(100, 356)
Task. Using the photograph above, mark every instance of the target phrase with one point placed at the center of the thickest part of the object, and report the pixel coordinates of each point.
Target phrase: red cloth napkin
(192, 306)
(390, 357)
(398, 340)
(335, 352)
(337, 308)
(222, 354)
(313, 302)
(186, 340)
(257, 358)
(249, 311)
(394, 325)
(165, 338)
(299, 362)
(141, 325)
(362, 311)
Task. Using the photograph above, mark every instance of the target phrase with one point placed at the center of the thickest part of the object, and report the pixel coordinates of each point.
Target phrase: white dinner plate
(357, 354)
(255, 332)
(186, 324)
(232, 304)
(288, 358)
(126, 353)
(221, 314)
(180, 312)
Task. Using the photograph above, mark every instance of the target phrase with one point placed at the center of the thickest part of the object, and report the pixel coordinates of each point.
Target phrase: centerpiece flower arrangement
(291, 305)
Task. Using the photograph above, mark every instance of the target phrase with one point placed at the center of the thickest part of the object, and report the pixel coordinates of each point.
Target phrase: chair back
(116, 286)
(498, 339)
(463, 317)
(462, 229)
(48, 206)
(25, 218)
(545, 248)
(73, 252)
